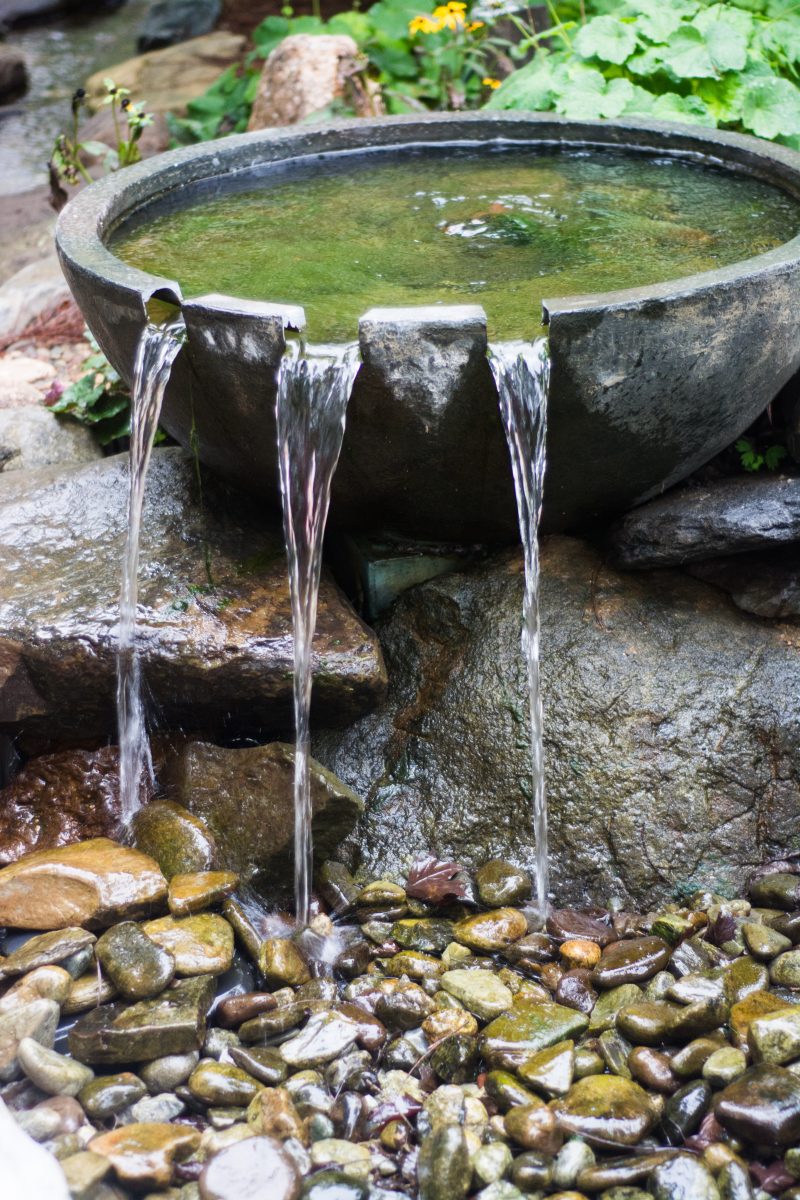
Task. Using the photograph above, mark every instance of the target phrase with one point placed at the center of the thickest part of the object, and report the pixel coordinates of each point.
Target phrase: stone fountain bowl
(647, 384)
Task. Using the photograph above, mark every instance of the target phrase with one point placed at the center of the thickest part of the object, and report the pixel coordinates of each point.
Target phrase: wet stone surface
(437, 1049)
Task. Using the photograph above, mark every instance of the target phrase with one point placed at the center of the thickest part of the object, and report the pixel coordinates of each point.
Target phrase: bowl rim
(89, 216)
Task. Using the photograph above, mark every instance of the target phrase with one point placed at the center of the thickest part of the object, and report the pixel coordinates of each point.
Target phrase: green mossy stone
(528, 1027)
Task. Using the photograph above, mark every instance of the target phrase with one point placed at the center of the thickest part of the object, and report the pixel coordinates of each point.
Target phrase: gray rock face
(171, 21)
(13, 73)
(766, 585)
(671, 730)
(213, 653)
(33, 437)
(693, 523)
(246, 799)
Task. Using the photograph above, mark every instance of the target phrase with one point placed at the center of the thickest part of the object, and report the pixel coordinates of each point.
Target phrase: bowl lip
(83, 223)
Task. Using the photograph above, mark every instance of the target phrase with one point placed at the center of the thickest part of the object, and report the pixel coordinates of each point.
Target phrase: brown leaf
(433, 880)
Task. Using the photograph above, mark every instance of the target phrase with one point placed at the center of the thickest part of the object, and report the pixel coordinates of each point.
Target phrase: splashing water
(522, 374)
(157, 351)
(314, 386)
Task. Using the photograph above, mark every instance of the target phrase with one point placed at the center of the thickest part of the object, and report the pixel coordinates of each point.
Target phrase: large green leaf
(722, 97)
(531, 88)
(727, 33)
(580, 92)
(771, 107)
(658, 20)
(687, 56)
(689, 109)
(606, 38)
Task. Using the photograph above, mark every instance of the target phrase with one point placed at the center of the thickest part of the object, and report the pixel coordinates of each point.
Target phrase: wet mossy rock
(245, 799)
(672, 730)
(214, 654)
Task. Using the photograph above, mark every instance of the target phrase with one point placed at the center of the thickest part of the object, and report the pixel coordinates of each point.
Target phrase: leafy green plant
(67, 166)
(753, 458)
(734, 65)
(98, 399)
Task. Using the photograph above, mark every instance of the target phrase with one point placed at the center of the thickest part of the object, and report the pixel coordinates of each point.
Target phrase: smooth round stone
(110, 1094)
(775, 1037)
(501, 1190)
(455, 1060)
(527, 1028)
(90, 991)
(606, 1108)
(653, 1070)
(648, 1022)
(615, 1050)
(83, 1172)
(481, 992)
(415, 965)
(685, 1110)
(491, 931)
(221, 1084)
(381, 892)
(51, 1072)
(282, 964)
(200, 945)
(135, 965)
(154, 1109)
(764, 943)
(429, 935)
(567, 923)
(350, 1157)
(574, 990)
(501, 883)
(778, 890)
(444, 1170)
(264, 1063)
(762, 1106)
(734, 1182)
(446, 1021)
(254, 1169)
(143, 1154)
(634, 960)
(38, 1020)
(167, 1073)
(491, 1163)
(573, 1157)
(507, 1091)
(532, 1171)
(404, 1008)
(42, 983)
(534, 1127)
(744, 977)
(45, 949)
(683, 1178)
(52, 1118)
(180, 843)
(235, 1010)
(689, 1060)
(785, 969)
(610, 1003)
(194, 892)
(272, 1112)
(750, 1009)
(622, 1172)
(580, 953)
(723, 1066)
(326, 1036)
(219, 1042)
(332, 1185)
(551, 1071)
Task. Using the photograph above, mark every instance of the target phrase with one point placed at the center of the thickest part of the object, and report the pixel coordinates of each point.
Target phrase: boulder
(168, 79)
(21, 381)
(92, 883)
(728, 516)
(58, 799)
(170, 21)
(303, 75)
(13, 73)
(246, 799)
(766, 584)
(672, 725)
(215, 654)
(30, 436)
(34, 292)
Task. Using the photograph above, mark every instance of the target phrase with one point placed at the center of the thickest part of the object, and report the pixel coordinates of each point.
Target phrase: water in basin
(500, 228)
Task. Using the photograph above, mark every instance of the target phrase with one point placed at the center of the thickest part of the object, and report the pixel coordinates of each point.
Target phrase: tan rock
(91, 883)
(306, 73)
(88, 992)
(142, 1154)
(168, 79)
(272, 1112)
(200, 945)
(190, 894)
(37, 1020)
(280, 962)
(43, 983)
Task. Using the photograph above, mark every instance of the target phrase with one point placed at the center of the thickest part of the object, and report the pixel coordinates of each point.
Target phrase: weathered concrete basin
(646, 384)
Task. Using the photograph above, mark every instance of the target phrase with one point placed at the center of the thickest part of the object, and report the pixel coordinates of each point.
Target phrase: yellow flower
(475, 25)
(490, 83)
(423, 24)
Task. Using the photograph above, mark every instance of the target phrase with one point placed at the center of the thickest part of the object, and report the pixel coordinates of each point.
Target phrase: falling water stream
(522, 373)
(158, 347)
(314, 386)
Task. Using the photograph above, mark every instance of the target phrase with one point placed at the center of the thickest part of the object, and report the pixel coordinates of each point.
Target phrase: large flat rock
(672, 730)
(729, 516)
(215, 616)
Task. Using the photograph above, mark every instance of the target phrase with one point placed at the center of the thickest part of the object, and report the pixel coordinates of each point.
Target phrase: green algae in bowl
(502, 228)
